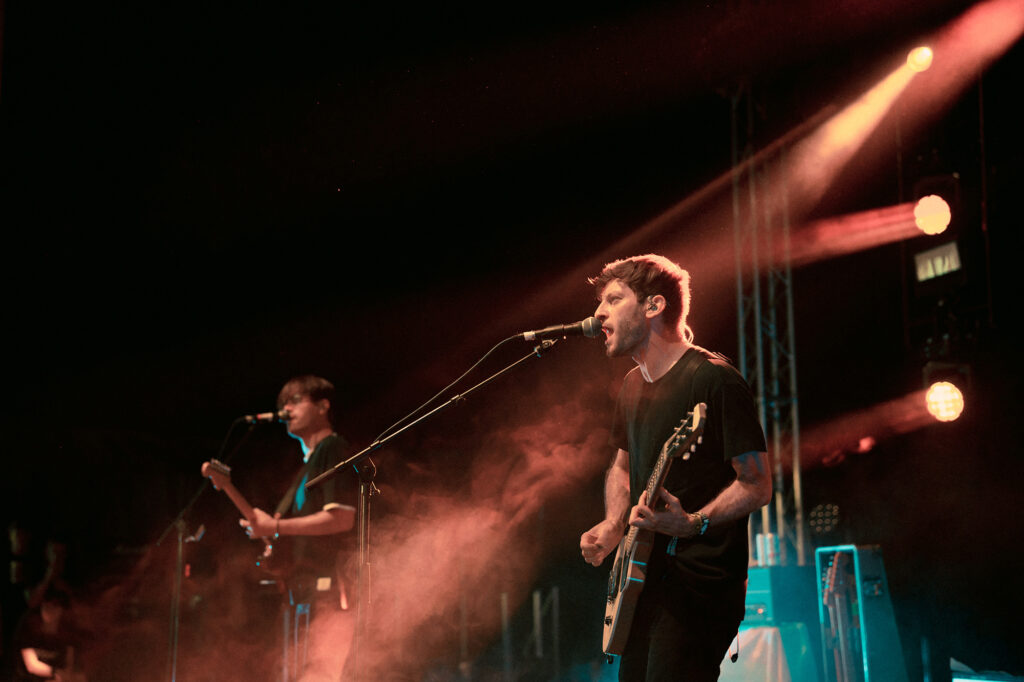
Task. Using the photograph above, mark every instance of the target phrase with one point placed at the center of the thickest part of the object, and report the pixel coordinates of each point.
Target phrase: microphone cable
(462, 376)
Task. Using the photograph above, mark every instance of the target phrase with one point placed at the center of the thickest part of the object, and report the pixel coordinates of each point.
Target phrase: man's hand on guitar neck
(670, 519)
(262, 525)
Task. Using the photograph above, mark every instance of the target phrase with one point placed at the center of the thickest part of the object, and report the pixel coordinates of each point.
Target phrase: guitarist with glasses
(673, 614)
(306, 529)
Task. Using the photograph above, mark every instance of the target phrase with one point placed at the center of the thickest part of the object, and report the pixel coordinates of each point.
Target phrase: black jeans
(678, 635)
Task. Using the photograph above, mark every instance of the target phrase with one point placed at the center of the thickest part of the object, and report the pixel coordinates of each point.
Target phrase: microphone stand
(367, 490)
(178, 525)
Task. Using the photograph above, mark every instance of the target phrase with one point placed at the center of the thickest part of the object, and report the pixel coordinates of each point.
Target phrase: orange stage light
(944, 400)
(932, 214)
(919, 59)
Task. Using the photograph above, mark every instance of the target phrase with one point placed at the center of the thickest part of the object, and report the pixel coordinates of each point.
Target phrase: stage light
(919, 59)
(932, 214)
(945, 401)
(824, 518)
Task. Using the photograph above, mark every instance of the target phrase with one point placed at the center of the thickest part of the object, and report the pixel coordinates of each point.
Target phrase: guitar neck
(220, 475)
(657, 479)
(243, 506)
(240, 502)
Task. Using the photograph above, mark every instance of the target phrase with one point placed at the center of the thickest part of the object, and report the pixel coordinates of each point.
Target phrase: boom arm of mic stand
(377, 444)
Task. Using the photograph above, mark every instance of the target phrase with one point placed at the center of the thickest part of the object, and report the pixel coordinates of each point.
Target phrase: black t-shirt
(648, 413)
(314, 556)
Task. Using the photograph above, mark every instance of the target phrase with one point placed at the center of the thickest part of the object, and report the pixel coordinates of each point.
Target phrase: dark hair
(317, 388)
(653, 275)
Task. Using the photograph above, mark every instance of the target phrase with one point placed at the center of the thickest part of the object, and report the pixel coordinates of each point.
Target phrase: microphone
(279, 416)
(589, 327)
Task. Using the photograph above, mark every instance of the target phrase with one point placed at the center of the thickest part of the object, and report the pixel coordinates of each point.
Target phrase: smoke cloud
(449, 557)
(472, 510)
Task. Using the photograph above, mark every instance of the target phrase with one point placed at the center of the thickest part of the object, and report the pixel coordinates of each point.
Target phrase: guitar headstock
(218, 472)
(833, 579)
(684, 440)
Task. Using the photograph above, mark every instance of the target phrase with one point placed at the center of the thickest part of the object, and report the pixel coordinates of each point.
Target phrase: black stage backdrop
(201, 200)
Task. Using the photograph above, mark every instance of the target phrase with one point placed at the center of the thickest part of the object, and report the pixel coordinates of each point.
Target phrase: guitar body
(624, 586)
(286, 563)
(631, 560)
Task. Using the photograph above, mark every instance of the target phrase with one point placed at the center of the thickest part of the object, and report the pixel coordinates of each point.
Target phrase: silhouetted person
(46, 640)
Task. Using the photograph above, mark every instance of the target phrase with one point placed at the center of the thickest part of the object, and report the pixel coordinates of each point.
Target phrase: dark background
(201, 200)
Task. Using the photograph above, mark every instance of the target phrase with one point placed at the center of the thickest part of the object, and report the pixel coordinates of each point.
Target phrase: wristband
(704, 523)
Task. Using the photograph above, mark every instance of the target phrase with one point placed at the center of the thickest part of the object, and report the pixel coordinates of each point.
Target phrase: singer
(309, 526)
(692, 599)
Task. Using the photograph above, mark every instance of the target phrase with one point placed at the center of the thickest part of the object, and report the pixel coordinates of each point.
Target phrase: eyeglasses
(294, 400)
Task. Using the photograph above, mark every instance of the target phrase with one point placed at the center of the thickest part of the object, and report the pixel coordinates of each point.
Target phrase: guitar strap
(298, 485)
(286, 502)
(693, 361)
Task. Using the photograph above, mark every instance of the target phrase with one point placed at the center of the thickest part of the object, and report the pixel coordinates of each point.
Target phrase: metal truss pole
(780, 335)
(764, 299)
(748, 284)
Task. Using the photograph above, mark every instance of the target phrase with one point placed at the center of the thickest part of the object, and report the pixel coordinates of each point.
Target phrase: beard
(626, 338)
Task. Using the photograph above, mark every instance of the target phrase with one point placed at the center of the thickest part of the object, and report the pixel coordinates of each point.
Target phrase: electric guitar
(220, 475)
(630, 568)
(836, 598)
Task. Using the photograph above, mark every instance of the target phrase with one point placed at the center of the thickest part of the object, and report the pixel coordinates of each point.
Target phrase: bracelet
(277, 528)
(704, 523)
